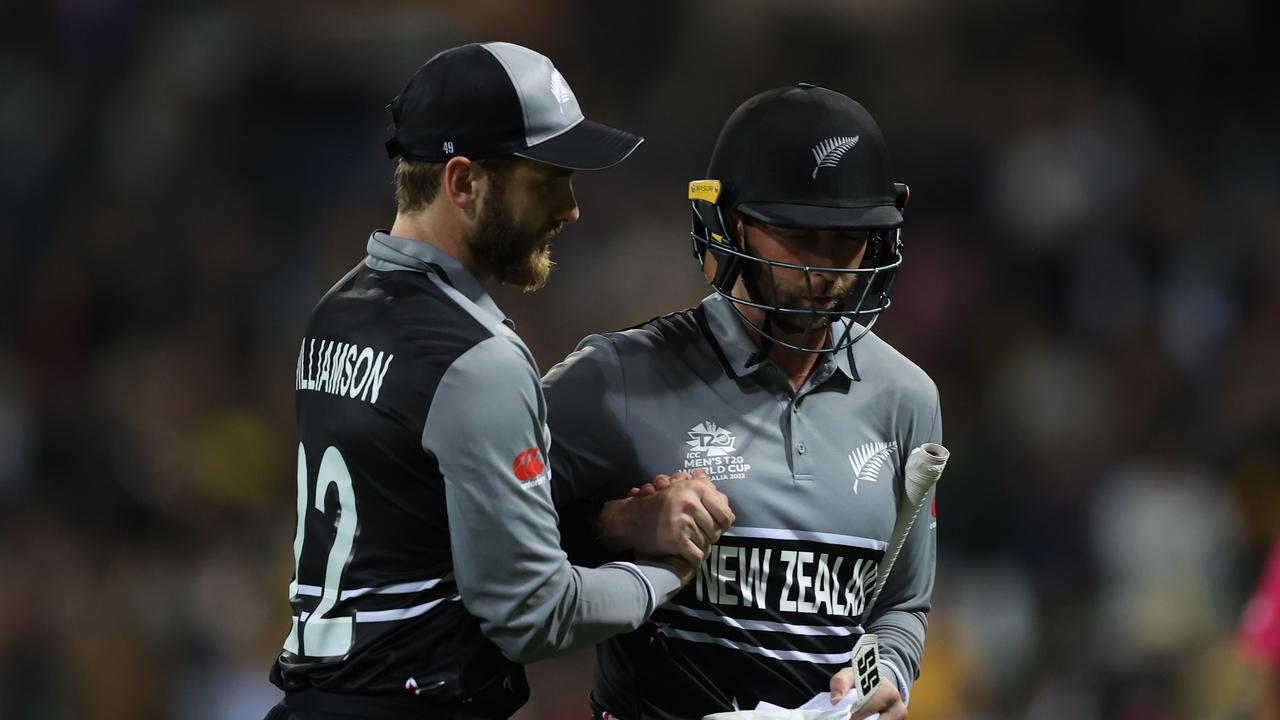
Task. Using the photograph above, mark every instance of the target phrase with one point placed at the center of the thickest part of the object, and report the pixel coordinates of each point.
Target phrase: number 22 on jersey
(322, 636)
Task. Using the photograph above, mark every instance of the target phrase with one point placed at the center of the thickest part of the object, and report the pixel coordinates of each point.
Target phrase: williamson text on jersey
(342, 369)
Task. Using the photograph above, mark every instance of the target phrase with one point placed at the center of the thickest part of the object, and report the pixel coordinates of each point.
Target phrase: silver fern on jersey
(867, 460)
(830, 152)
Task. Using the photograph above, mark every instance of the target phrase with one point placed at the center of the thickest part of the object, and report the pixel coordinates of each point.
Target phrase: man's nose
(571, 212)
(821, 283)
(822, 276)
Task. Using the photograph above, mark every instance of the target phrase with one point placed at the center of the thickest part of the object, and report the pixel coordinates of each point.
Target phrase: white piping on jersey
(791, 655)
(768, 626)
(635, 570)
(902, 686)
(373, 616)
(400, 589)
(822, 537)
(388, 615)
(486, 319)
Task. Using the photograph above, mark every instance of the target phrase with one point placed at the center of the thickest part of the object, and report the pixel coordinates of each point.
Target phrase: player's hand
(886, 700)
(659, 483)
(682, 516)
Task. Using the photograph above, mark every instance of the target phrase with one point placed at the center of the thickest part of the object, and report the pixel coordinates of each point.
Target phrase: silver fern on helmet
(830, 152)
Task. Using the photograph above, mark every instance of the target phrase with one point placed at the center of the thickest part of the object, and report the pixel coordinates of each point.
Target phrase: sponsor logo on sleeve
(529, 468)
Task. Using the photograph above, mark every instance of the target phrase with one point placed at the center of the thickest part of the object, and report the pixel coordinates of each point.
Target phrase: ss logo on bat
(866, 664)
(869, 672)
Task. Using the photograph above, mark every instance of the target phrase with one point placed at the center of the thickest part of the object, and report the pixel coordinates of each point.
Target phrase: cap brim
(586, 146)
(823, 217)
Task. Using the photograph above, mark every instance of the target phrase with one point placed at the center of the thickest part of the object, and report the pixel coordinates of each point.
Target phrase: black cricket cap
(807, 157)
(485, 100)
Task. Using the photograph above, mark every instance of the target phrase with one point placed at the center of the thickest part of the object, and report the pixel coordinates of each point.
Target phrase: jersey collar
(405, 254)
(737, 348)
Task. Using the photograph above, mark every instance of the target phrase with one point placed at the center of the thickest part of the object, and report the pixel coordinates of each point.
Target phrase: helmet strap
(748, 283)
(766, 343)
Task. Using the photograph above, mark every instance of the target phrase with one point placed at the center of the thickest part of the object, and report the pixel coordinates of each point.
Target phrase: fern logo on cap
(831, 151)
(560, 89)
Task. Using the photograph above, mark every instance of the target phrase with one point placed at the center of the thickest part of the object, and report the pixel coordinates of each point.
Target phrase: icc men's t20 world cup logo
(711, 449)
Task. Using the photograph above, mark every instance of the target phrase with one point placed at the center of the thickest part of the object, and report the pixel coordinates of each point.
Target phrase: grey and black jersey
(428, 560)
(814, 478)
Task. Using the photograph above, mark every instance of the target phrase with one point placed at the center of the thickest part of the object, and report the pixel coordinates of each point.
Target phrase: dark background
(1090, 277)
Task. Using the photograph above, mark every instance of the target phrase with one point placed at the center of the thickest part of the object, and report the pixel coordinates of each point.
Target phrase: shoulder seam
(622, 374)
(454, 363)
(641, 325)
(485, 321)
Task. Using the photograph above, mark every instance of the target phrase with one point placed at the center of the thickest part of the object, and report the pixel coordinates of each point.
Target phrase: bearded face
(524, 208)
(788, 288)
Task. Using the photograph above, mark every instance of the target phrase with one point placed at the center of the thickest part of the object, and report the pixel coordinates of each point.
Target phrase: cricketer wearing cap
(775, 386)
(428, 562)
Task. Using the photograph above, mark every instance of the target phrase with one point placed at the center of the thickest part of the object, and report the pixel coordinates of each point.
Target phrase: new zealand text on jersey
(788, 581)
(342, 369)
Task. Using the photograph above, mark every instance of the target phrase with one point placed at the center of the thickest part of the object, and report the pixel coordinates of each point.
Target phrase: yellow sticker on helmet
(708, 190)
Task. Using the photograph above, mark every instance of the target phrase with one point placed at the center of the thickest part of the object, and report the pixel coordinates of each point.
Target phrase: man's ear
(736, 227)
(461, 183)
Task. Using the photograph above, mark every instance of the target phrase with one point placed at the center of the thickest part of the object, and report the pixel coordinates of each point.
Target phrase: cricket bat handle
(924, 467)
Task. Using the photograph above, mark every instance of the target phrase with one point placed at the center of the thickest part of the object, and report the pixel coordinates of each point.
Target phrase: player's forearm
(513, 576)
(901, 620)
(901, 634)
(574, 608)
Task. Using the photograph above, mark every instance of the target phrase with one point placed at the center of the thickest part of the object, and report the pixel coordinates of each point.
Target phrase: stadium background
(1091, 277)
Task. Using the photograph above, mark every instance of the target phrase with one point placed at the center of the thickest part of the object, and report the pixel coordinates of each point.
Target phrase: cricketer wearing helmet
(775, 386)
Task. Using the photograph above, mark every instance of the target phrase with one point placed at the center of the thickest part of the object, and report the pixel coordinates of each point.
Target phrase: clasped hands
(673, 518)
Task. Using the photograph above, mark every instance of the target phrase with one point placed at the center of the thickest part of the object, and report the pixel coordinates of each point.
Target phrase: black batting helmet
(801, 157)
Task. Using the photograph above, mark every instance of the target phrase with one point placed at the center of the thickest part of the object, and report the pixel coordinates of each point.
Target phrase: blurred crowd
(1092, 277)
